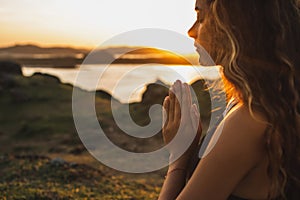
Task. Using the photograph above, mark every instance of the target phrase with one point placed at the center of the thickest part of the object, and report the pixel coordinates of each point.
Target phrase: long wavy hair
(258, 44)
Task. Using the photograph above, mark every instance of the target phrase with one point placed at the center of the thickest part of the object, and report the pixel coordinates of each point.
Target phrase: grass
(36, 126)
(36, 177)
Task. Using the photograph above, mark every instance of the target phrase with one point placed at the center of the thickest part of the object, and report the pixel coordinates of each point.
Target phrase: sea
(125, 82)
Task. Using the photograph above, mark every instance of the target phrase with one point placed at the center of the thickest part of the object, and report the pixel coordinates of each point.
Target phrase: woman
(257, 153)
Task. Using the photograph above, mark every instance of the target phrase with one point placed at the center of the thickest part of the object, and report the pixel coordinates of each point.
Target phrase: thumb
(195, 117)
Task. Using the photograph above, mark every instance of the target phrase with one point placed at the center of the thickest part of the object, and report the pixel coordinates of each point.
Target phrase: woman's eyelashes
(200, 16)
(200, 19)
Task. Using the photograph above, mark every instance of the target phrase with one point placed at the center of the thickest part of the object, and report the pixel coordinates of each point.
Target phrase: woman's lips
(197, 45)
(204, 57)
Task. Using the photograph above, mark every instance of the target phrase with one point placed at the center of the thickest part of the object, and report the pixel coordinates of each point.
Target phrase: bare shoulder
(240, 131)
(236, 148)
(242, 122)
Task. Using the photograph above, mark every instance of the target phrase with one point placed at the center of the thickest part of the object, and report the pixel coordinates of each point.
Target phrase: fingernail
(195, 107)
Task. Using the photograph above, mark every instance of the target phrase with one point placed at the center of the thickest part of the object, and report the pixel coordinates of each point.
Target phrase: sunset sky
(87, 23)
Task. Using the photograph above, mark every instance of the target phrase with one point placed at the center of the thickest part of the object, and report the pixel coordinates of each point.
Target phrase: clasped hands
(181, 116)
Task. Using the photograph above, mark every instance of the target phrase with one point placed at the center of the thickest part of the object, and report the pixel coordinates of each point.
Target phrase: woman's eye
(200, 18)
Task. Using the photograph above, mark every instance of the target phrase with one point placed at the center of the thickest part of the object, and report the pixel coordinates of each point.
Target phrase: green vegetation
(36, 177)
(42, 156)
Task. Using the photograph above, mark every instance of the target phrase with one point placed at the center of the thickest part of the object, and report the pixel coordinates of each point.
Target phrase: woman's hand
(181, 117)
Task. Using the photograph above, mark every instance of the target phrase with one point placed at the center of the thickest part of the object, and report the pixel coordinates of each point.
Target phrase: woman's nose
(193, 32)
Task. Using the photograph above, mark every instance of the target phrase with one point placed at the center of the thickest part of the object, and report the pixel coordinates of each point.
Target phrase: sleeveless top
(292, 194)
(211, 130)
(205, 141)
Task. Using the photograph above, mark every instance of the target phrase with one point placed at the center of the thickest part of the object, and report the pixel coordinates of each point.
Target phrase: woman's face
(197, 31)
(200, 9)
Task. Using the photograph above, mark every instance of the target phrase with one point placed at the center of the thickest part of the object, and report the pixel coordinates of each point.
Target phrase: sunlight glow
(88, 22)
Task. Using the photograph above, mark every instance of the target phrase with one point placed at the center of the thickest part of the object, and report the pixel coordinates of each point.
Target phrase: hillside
(34, 49)
(42, 156)
(66, 57)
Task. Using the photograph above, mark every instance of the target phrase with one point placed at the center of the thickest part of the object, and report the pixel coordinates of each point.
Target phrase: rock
(77, 150)
(46, 78)
(58, 162)
(8, 67)
(19, 96)
(73, 164)
(103, 94)
(31, 157)
(7, 81)
(155, 93)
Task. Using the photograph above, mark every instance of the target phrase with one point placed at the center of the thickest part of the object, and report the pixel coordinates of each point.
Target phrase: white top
(212, 130)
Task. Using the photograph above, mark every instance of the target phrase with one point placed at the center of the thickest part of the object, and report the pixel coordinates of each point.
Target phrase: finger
(196, 119)
(186, 103)
(171, 104)
(177, 90)
(189, 95)
(166, 109)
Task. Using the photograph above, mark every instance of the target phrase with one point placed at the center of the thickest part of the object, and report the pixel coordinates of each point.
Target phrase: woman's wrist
(179, 163)
(182, 171)
(170, 170)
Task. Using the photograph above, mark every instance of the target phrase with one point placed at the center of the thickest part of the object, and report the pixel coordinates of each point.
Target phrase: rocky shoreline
(39, 143)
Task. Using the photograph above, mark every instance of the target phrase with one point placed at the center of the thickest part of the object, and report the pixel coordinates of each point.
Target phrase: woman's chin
(204, 58)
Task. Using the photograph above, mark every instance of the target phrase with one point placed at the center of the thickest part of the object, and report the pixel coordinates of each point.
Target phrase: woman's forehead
(200, 4)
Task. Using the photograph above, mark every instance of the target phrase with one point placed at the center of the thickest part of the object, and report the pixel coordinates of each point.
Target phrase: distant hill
(143, 55)
(133, 50)
(114, 50)
(66, 57)
(33, 49)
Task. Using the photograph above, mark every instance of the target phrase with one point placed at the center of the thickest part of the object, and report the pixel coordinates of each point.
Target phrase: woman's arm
(236, 148)
(181, 118)
(173, 184)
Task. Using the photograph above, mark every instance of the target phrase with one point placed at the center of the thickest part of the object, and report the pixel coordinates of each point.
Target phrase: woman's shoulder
(244, 129)
(239, 130)
(236, 148)
(241, 118)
